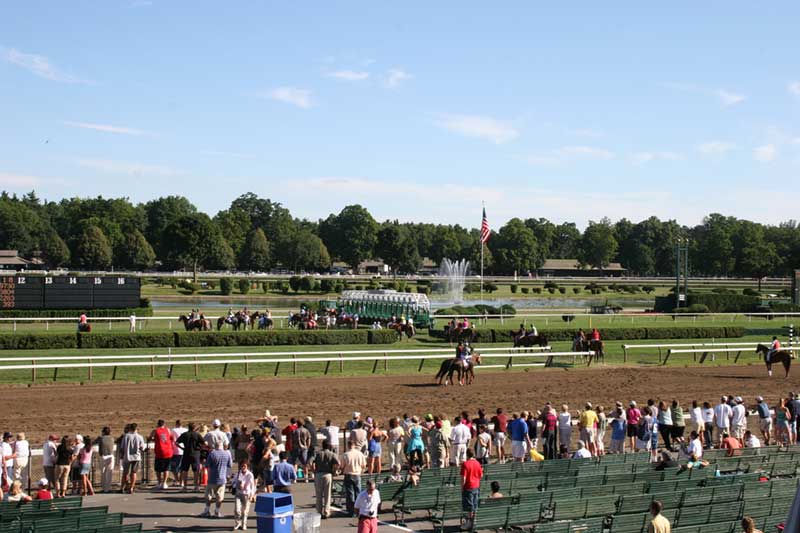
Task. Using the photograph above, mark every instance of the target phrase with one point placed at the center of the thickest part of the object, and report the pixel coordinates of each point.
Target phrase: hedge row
(716, 303)
(191, 339)
(75, 313)
(487, 335)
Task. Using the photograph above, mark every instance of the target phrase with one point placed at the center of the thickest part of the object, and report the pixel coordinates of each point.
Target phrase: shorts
(375, 451)
(161, 465)
(469, 500)
(588, 435)
(737, 431)
(175, 463)
(677, 432)
(215, 492)
(190, 461)
(765, 424)
(266, 475)
(129, 467)
(519, 449)
(699, 427)
(632, 430)
(86, 468)
(300, 456)
(499, 439)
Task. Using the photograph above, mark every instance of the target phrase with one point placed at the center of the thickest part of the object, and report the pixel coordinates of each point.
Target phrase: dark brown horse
(781, 356)
(200, 324)
(401, 329)
(459, 334)
(452, 366)
(238, 320)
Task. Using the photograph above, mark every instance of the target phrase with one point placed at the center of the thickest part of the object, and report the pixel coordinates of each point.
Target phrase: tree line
(258, 234)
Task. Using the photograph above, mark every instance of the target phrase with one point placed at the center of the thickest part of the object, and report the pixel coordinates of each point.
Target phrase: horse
(260, 320)
(460, 334)
(781, 356)
(528, 340)
(295, 319)
(408, 329)
(198, 324)
(451, 366)
(85, 328)
(236, 321)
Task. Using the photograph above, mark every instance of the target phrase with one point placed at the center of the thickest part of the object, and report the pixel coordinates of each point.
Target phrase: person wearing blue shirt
(218, 464)
(618, 430)
(283, 475)
(520, 442)
(765, 419)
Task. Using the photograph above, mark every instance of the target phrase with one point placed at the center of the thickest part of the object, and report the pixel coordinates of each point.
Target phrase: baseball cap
(633, 403)
(429, 417)
(43, 482)
(7, 435)
(739, 399)
(759, 398)
(216, 423)
(356, 414)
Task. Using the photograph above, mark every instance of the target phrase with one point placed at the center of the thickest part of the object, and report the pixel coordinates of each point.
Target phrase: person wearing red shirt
(164, 450)
(471, 474)
(500, 422)
(730, 444)
(287, 432)
(549, 430)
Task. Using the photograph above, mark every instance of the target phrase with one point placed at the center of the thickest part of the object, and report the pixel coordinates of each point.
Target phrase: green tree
(598, 245)
(306, 252)
(159, 215)
(255, 254)
(55, 252)
(515, 249)
(244, 285)
(136, 253)
(295, 282)
(398, 249)
(234, 225)
(194, 242)
(351, 235)
(225, 286)
(566, 242)
(93, 251)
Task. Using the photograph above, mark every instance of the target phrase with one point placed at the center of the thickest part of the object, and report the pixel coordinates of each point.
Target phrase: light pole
(681, 268)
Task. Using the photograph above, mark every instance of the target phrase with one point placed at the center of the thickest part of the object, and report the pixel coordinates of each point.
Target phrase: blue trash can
(274, 512)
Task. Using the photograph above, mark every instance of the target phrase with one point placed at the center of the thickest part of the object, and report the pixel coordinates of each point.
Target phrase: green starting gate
(384, 304)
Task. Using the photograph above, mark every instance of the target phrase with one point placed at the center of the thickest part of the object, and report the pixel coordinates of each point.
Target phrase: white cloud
(128, 168)
(349, 75)
(640, 158)
(481, 127)
(765, 153)
(725, 97)
(571, 152)
(396, 76)
(18, 180)
(794, 88)
(728, 98)
(290, 95)
(715, 148)
(38, 65)
(107, 128)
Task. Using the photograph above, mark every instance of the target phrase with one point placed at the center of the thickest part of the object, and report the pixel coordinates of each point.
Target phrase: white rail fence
(704, 348)
(556, 315)
(542, 357)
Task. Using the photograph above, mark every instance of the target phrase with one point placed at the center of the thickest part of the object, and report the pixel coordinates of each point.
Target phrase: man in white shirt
(49, 459)
(177, 452)
(581, 452)
(695, 447)
(722, 417)
(738, 419)
(331, 434)
(459, 436)
(216, 435)
(367, 505)
(751, 441)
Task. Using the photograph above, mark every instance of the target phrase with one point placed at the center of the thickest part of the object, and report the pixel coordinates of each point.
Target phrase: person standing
(438, 444)
(664, 420)
(500, 422)
(396, 434)
(105, 447)
(520, 442)
(177, 453)
(283, 474)
(588, 428)
(353, 464)
(331, 434)
(549, 429)
(659, 524)
(218, 463)
(191, 442)
(49, 459)
(708, 425)
(162, 437)
(738, 419)
(618, 426)
(64, 458)
(301, 443)
(85, 462)
(460, 436)
(764, 419)
(471, 474)
(367, 505)
(131, 448)
(678, 422)
(8, 456)
(632, 416)
(22, 452)
(324, 464)
(244, 490)
(722, 418)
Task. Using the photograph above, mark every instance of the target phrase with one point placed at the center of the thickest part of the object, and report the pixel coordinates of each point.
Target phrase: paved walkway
(173, 510)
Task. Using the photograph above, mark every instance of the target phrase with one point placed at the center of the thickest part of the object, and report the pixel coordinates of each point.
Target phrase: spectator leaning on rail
(764, 419)
(161, 436)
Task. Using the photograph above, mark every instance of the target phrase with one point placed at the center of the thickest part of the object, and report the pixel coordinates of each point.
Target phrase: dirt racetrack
(42, 409)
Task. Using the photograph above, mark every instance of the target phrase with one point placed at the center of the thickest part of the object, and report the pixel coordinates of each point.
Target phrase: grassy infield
(758, 330)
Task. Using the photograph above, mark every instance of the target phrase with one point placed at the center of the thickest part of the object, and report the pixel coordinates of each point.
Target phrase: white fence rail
(547, 358)
(705, 348)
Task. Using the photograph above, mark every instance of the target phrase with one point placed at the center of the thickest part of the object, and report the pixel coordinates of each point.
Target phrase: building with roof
(571, 267)
(10, 260)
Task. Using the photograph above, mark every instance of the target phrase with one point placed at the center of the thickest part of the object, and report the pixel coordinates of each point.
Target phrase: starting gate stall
(383, 304)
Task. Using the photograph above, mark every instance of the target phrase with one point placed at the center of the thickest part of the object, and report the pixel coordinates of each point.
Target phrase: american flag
(485, 232)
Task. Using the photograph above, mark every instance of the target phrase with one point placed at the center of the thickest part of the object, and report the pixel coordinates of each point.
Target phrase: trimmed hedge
(716, 303)
(614, 334)
(75, 313)
(37, 341)
(126, 340)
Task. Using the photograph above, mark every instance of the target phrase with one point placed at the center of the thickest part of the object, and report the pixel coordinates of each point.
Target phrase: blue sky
(417, 110)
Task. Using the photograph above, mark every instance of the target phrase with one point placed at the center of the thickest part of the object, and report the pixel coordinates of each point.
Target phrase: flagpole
(480, 241)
